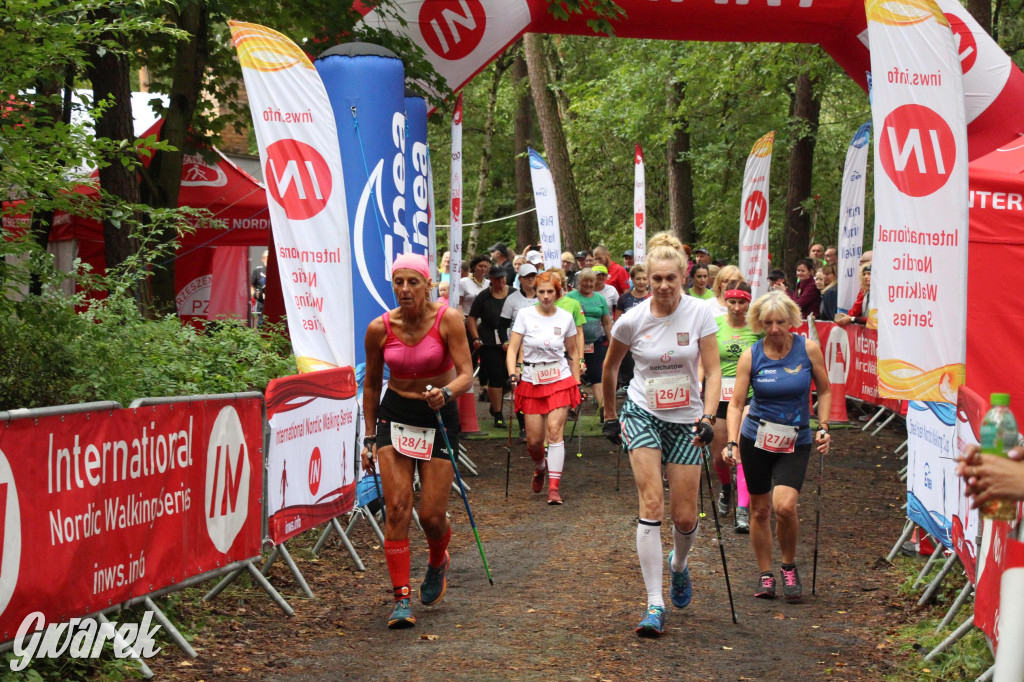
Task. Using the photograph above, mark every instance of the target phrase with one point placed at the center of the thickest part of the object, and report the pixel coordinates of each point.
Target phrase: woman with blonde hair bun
(663, 420)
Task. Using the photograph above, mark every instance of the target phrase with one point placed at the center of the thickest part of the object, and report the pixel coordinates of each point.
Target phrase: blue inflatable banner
(366, 87)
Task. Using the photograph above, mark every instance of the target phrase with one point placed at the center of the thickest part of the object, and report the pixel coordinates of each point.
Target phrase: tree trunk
(680, 171)
(570, 216)
(163, 177)
(981, 10)
(110, 78)
(500, 67)
(805, 111)
(526, 224)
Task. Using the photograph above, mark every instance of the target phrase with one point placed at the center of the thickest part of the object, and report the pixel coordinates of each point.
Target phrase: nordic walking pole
(579, 449)
(508, 446)
(462, 489)
(817, 524)
(718, 529)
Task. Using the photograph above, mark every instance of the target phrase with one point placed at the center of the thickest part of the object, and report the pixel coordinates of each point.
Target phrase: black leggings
(394, 407)
(761, 467)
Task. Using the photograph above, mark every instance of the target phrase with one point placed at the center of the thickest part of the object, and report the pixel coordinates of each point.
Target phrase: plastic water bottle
(998, 435)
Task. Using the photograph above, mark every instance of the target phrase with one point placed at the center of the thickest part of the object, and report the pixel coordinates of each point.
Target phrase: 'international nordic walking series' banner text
(919, 273)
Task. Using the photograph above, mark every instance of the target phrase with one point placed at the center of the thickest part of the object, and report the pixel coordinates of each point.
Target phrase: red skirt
(543, 398)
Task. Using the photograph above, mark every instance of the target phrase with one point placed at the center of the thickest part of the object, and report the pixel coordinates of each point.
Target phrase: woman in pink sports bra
(422, 343)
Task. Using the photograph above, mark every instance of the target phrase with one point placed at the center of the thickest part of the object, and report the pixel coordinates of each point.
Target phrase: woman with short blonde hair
(727, 278)
(769, 304)
(773, 440)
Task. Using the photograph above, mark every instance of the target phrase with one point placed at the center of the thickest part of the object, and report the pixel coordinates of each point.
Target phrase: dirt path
(568, 592)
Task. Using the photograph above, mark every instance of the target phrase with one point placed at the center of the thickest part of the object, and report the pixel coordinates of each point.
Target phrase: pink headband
(737, 293)
(411, 261)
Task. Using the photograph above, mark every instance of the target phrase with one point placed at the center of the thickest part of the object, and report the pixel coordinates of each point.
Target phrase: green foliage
(967, 659)
(106, 350)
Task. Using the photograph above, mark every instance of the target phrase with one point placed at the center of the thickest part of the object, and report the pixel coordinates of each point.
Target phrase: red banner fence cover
(100, 507)
(311, 462)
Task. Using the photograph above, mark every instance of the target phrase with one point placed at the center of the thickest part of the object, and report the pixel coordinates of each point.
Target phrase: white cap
(534, 257)
(526, 269)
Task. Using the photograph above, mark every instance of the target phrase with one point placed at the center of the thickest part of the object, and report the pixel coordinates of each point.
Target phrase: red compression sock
(396, 552)
(437, 549)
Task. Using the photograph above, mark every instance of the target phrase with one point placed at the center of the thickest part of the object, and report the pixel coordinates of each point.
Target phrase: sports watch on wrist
(711, 419)
(447, 393)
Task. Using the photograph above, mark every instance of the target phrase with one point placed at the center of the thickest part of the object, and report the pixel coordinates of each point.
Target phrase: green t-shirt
(705, 296)
(731, 344)
(572, 306)
(595, 307)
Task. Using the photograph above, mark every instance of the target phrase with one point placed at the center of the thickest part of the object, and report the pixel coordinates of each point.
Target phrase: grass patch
(966, 659)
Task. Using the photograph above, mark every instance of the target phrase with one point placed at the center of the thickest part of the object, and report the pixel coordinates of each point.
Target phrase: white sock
(648, 550)
(684, 543)
(556, 460)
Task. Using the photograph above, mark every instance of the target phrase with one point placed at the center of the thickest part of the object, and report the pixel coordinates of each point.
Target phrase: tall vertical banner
(933, 490)
(301, 160)
(639, 209)
(754, 215)
(432, 225)
(455, 194)
(366, 87)
(851, 218)
(546, 201)
(920, 282)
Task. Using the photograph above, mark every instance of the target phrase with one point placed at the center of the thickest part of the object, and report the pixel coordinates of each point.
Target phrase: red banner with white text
(100, 507)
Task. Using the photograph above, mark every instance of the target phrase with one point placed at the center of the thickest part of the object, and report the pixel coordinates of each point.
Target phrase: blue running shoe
(653, 623)
(402, 616)
(435, 583)
(682, 588)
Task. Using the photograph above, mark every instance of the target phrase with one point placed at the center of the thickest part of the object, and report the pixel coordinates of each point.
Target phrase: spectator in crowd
(443, 270)
(700, 288)
(499, 256)
(638, 294)
(728, 277)
(489, 337)
(713, 273)
(584, 259)
(471, 286)
(701, 256)
(628, 261)
(817, 254)
(525, 296)
(805, 294)
(595, 331)
(832, 256)
(601, 286)
(829, 291)
(442, 292)
(617, 275)
(536, 259)
(859, 313)
(568, 263)
(992, 477)
(258, 289)
(777, 281)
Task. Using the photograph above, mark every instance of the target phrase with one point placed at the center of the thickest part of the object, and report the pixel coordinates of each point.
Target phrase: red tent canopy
(211, 264)
(995, 319)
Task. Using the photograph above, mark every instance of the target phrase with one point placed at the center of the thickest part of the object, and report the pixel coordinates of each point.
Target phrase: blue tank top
(782, 389)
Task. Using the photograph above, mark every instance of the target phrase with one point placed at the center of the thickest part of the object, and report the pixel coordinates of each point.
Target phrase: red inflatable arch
(461, 37)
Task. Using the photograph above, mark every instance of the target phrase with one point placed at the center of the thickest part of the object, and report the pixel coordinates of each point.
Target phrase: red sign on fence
(100, 507)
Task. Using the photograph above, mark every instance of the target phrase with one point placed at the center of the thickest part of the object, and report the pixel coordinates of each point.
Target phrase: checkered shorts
(641, 429)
